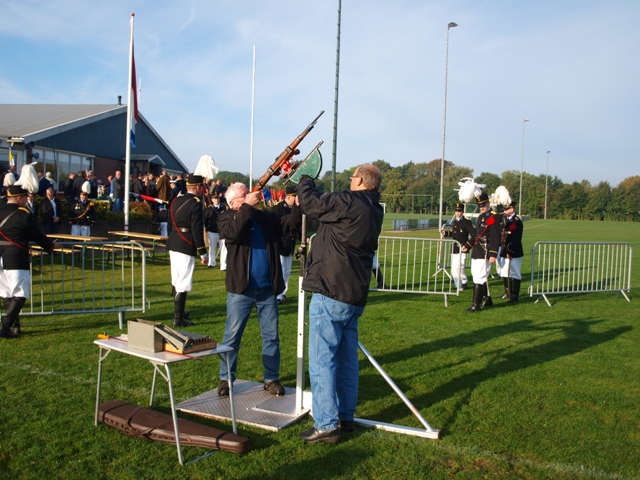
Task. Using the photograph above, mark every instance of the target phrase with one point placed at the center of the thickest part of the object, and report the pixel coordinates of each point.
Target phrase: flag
(11, 164)
(133, 110)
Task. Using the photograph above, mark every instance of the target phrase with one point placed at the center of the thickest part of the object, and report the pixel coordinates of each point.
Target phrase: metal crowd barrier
(580, 267)
(88, 277)
(417, 265)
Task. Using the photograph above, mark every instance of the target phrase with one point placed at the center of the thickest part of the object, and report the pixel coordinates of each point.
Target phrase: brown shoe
(274, 387)
(223, 388)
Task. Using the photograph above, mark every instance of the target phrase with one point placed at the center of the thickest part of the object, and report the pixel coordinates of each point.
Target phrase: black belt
(184, 230)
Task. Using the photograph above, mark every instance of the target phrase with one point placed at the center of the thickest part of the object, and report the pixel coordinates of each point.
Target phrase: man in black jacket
(51, 211)
(463, 232)
(511, 250)
(17, 228)
(186, 240)
(254, 277)
(338, 274)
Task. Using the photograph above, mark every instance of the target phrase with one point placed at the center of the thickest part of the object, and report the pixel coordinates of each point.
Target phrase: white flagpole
(127, 162)
(253, 101)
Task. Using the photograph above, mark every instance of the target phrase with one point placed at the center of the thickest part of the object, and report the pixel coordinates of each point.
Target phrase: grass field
(519, 391)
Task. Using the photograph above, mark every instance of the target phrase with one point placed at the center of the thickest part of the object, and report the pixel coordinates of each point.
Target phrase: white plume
(206, 167)
(469, 190)
(9, 179)
(501, 196)
(86, 187)
(28, 179)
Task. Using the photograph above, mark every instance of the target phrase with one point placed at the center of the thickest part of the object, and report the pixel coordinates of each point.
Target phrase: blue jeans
(333, 360)
(239, 308)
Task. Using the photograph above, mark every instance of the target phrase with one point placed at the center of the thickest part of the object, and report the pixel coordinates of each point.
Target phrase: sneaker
(274, 387)
(223, 388)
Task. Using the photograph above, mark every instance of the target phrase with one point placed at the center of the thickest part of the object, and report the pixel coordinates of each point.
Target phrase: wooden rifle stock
(285, 156)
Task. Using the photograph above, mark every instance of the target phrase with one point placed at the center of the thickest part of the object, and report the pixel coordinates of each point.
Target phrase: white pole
(521, 168)
(127, 162)
(253, 102)
(546, 186)
(444, 126)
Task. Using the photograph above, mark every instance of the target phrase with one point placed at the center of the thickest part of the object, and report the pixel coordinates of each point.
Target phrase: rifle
(283, 162)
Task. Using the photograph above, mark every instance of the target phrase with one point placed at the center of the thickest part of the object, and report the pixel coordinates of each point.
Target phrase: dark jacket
(211, 215)
(17, 232)
(117, 184)
(82, 213)
(487, 236)
(47, 210)
(511, 239)
(234, 227)
(186, 233)
(341, 254)
(288, 241)
(463, 232)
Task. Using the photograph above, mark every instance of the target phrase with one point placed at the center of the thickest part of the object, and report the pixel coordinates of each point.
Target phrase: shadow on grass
(577, 336)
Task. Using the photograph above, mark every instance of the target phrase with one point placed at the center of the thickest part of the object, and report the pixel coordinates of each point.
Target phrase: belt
(184, 230)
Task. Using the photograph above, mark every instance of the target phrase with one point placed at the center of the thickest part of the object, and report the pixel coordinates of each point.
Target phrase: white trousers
(286, 273)
(14, 283)
(223, 255)
(511, 268)
(182, 267)
(81, 230)
(479, 270)
(457, 268)
(214, 239)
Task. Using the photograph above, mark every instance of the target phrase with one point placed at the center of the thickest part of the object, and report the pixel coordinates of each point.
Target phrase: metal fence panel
(91, 277)
(580, 267)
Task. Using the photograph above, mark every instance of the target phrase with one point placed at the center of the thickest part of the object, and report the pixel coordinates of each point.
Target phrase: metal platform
(253, 405)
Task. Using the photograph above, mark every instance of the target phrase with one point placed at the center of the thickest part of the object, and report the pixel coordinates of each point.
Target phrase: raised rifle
(283, 164)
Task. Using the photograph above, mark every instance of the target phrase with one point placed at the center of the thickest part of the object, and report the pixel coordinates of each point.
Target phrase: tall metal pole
(253, 108)
(546, 186)
(521, 168)
(335, 108)
(444, 126)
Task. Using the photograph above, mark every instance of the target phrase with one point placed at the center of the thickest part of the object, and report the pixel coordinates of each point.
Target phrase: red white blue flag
(133, 110)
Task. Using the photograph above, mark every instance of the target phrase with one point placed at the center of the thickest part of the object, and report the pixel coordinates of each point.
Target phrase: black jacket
(463, 232)
(341, 254)
(234, 227)
(511, 239)
(47, 210)
(487, 236)
(17, 231)
(211, 215)
(288, 241)
(186, 233)
(82, 213)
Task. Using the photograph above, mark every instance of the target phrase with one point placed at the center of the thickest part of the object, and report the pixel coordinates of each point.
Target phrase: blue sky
(570, 67)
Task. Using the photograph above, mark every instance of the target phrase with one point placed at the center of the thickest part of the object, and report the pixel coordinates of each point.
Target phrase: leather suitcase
(143, 422)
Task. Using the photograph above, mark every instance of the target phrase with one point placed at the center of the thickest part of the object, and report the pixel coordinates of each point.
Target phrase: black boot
(486, 301)
(11, 323)
(477, 298)
(515, 290)
(179, 302)
(506, 294)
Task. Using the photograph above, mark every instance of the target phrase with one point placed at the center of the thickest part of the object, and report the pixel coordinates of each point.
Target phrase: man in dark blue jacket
(338, 274)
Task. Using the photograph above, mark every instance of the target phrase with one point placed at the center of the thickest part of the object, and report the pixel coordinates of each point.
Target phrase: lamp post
(444, 125)
(521, 168)
(546, 186)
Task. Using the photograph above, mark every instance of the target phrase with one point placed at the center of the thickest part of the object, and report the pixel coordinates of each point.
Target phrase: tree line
(415, 188)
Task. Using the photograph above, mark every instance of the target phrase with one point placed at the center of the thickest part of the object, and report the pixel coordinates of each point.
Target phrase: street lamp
(546, 186)
(444, 125)
(521, 168)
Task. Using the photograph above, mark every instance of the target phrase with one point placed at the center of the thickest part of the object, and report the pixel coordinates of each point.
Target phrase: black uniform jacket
(211, 215)
(82, 213)
(234, 227)
(512, 235)
(289, 241)
(487, 236)
(15, 235)
(186, 232)
(341, 254)
(463, 232)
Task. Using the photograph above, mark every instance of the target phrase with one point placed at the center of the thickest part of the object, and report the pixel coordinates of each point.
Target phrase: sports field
(519, 391)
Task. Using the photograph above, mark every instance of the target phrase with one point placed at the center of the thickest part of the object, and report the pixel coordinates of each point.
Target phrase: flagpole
(253, 101)
(127, 162)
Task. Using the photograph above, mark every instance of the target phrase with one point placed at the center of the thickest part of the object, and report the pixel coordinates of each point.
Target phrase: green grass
(518, 391)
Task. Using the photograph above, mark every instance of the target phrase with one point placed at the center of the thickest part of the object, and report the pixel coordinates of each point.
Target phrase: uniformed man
(511, 251)
(211, 214)
(464, 233)
(17, 228)
(82, 214)
(288, 241)
(186, 241)
(483, 254)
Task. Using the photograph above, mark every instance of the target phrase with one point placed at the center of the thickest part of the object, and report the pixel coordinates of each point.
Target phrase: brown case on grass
(143, 422)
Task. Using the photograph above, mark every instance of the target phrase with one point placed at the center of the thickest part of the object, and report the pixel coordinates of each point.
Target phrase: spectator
(68, 187)
(82, 215)
(51, 210)
(54, 184)
(163, 186)
(117, 192)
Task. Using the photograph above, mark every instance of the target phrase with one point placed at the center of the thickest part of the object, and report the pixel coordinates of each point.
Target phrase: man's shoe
(314, 436)
(465, 286)
(223, 388)
(7, 333)
(274, 387)
(182, 323)
(347, 426)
